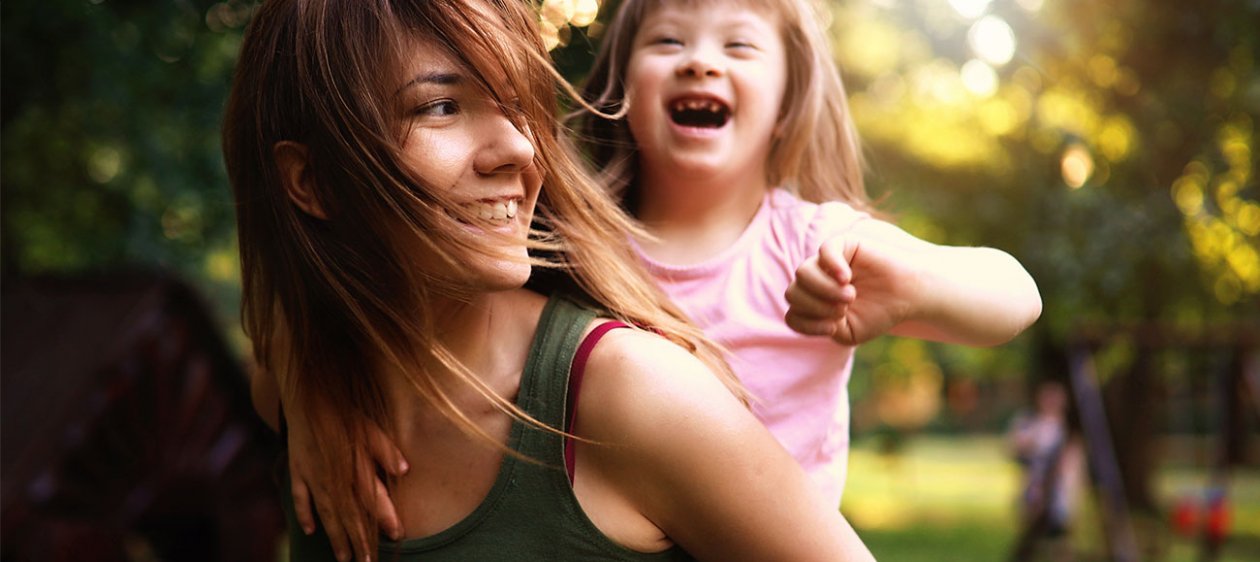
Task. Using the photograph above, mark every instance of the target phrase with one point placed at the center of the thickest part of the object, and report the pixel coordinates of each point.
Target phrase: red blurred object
(1216, 516)
(1206, 517)
(1185, 516)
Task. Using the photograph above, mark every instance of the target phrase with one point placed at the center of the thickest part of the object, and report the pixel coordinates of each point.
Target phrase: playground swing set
(1120, 481)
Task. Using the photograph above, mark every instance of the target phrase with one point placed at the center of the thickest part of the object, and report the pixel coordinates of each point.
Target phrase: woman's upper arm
(696, 462)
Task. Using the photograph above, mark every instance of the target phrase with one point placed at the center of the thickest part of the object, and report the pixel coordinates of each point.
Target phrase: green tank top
(530, 512)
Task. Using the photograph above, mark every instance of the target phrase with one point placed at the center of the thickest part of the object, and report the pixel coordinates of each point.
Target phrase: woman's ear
(292, 163)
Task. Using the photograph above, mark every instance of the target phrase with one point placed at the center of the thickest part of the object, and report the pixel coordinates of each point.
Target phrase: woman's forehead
(423, 55)
(478, 33)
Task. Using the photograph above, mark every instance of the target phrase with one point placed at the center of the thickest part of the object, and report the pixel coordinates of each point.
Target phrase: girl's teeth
(696, 105)
(511, 208)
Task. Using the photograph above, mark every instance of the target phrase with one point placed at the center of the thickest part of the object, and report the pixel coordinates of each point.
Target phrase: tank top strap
(545, 380)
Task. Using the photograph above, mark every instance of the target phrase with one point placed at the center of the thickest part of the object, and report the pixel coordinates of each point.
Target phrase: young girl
(387, 158)
(738, 153)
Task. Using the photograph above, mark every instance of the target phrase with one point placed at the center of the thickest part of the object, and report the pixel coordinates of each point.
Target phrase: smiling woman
(395, 165)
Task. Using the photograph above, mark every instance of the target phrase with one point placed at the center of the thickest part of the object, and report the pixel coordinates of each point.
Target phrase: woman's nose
(506, 148)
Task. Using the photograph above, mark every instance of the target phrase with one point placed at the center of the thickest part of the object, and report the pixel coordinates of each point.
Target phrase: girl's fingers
(848, 294)
(371, 489)
(808, 304)
(834, 257)
(385, 453)
(359, 541)
(809, 326)
(811, 279)
(386, 513)
(301, 502)
(335, 531)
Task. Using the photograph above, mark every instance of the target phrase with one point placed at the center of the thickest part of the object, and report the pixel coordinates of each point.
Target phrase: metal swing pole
(1117, 523)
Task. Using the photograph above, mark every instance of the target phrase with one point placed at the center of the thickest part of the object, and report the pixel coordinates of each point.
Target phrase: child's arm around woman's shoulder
(673, 446)
(876, 278)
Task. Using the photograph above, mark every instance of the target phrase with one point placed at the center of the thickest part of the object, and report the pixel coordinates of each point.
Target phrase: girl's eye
(439, 108)
(667, 40)
(740, 45)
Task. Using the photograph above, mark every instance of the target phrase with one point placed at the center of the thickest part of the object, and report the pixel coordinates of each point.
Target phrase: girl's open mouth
(704, 113)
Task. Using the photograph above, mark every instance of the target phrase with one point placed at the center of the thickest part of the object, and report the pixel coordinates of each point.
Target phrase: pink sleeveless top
(799, 382)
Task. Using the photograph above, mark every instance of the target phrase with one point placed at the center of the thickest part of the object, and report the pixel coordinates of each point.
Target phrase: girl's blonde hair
(816, 153)
(332, 304)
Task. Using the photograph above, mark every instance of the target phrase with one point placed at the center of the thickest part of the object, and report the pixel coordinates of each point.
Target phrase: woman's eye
(439, 108)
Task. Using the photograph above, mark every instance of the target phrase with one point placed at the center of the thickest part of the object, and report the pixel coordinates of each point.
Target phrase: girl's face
(460, 141)
(706, 85)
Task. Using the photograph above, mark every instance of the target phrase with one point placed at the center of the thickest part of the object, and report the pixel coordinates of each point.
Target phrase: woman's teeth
(494, 211)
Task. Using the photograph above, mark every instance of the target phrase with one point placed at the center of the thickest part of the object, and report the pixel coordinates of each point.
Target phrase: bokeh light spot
(992, 40)
(1077, 166)
(979, 78)
(970, 9)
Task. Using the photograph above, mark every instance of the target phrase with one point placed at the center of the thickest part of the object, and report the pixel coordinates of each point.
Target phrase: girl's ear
(291, 161)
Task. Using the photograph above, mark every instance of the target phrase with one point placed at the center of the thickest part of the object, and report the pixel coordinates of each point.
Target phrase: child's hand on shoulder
(857, 288)
(347, 532)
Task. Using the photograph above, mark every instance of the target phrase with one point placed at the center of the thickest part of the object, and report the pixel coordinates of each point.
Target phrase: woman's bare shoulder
(636, 381)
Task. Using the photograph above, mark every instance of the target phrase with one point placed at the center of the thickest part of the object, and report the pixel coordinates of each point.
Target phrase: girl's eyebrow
(441, 78)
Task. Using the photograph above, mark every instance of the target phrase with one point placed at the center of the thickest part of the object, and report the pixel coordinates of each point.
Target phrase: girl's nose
(505, 148)
(699, 64)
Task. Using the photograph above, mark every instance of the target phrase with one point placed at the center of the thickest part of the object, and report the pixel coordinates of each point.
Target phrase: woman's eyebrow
(441, 78)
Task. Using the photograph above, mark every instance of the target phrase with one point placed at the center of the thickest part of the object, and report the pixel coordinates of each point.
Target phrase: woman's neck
(489, 335)
(693, 219)
(454, 464)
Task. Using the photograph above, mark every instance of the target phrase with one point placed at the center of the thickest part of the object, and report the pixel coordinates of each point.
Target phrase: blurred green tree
(1109, 145)
(110, 142)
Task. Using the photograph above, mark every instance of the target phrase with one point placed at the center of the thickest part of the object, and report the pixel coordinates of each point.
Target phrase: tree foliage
(110, 148)
(1113, 154)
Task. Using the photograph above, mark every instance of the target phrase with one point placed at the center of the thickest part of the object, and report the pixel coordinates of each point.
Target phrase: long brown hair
(816, 155)
(324, 298)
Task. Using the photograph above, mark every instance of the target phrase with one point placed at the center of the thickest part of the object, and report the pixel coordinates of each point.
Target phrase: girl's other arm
(878, 278)
(266, 396)
(308, 481)
(696, 463)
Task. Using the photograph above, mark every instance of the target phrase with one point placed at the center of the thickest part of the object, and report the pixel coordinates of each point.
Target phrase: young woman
(388, 158)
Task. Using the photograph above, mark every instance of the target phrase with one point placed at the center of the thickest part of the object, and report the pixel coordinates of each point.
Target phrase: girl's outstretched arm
(673, 442)
(877, 279)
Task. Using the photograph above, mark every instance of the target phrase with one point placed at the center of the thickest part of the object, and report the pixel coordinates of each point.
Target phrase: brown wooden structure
(128, 432)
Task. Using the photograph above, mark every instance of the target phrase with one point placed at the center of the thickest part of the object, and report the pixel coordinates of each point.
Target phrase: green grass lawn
(953, 498)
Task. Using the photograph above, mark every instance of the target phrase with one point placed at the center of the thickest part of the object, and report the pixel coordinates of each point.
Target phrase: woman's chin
(502, 275)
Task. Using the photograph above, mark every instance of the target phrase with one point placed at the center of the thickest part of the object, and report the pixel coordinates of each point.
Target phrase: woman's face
(459, 140)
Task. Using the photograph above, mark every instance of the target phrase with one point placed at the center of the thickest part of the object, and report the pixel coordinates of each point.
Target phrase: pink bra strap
(575, 384)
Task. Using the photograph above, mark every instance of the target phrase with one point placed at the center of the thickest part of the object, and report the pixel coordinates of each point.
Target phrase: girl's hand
(854, 290)
(877, 279)
(346, 531)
